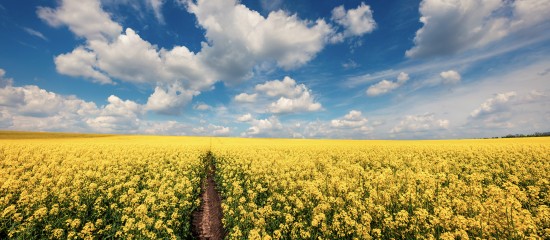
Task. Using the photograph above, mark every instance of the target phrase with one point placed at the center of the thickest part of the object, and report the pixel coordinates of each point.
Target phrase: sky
(402, 69)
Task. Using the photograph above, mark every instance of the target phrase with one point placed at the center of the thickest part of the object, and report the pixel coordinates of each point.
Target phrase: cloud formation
(246, 98)
(494, 104)
(419, 123)
(237, 40)
(356, 22)
(458, 25)
(386, 86)
(352, 120)
(450, 77)
(84, 18)
(286, 94)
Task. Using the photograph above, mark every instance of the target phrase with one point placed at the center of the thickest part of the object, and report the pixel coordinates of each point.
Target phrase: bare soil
(207, 220)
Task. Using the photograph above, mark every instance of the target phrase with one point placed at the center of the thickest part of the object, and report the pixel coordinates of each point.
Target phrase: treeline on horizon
(537, 134)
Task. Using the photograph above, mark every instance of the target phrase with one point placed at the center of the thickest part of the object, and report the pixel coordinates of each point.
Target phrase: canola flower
(325, 189)
(130, 187)
(63, 186)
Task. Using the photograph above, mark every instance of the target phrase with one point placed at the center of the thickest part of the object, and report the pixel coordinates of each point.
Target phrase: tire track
(207, 220)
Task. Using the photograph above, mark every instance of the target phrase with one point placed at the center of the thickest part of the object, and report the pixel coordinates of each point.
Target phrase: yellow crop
(322, 189)
(145, 187)
(102, 187)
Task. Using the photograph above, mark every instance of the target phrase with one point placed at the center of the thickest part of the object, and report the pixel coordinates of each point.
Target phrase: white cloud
(81, 63)
(423, 122)
(386, 86)
(35, 33)
(156, 5)
(165, 128)
(6, 120)
(169, 102)
(286, 88)
(85, 18)
(352, 120)
(239, 38)
(293, 97)
(33, 108)
(117, 116)
(350, 64)
(304, 103)
(245, 118)
(135, 60)
(356, 22)
(263, 126)
(458, 25)
(220, 130)
(212, 130)
(202, 107)
(450, 77)
(130, 58)
(4, 81)
(491, 105)
(248, 98)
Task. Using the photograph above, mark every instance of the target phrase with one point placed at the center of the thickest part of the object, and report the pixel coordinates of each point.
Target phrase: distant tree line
(537, 134)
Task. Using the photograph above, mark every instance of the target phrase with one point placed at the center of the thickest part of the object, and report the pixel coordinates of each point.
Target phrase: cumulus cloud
(386, 86)
(293, 97)
(263, 126)
(422, 122)
(494, 104)
(238, 40)
(287, 88)
(3, 80)
(132, 59)
(81, 63)
(33, 108)
(248, 98)
(84, 18)
(34, 102)
(135, 60)
(458, 25)
(212, 130)
(352, 120)
(450, 77)
(245, 118)
(24, 108)
(220, 130)
(304, 103)
(202, 107)
(356, 22)
(117, 116)
(166, 128)
(169, 102)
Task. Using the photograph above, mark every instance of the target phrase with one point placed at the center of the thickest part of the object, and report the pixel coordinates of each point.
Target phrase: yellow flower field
(99, 187)
(145, 187)
(325, 189)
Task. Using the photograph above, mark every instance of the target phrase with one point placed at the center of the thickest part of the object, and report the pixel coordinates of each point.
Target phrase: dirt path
(207, 220)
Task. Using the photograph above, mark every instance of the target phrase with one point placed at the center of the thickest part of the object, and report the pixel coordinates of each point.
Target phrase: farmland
(102, 186)
(99, 187)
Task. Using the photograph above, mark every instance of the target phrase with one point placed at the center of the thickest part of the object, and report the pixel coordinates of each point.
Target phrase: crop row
(100, 188)
(285, 189)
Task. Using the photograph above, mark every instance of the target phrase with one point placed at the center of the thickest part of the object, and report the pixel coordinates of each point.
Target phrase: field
(100, 186)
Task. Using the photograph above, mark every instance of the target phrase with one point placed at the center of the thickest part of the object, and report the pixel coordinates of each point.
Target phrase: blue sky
(303, 69)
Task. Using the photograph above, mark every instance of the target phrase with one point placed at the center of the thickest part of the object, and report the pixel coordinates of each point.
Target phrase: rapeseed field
(146, 187)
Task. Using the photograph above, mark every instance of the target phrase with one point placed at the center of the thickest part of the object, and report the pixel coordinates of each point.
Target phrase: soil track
(207, 220)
